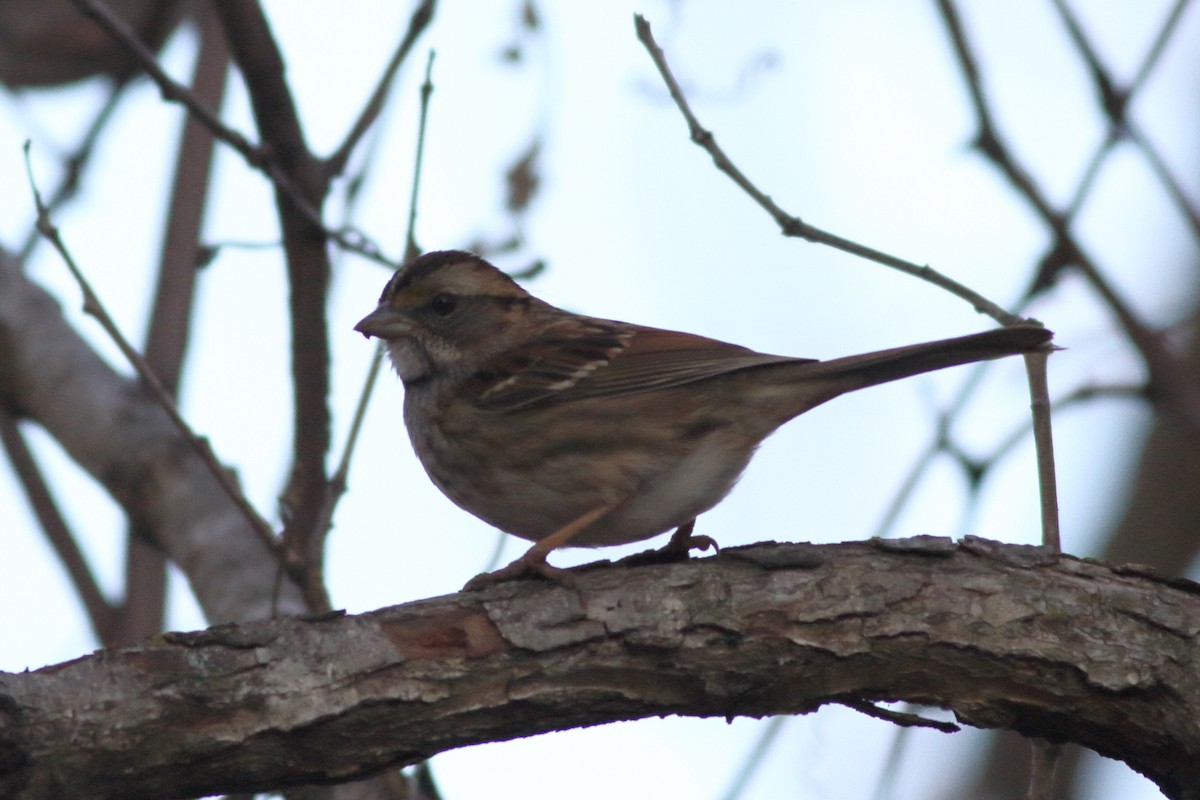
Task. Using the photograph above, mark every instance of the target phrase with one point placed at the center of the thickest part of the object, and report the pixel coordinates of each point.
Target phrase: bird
(564, 429)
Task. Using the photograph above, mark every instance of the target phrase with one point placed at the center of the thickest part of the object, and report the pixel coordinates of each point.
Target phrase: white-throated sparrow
(565, 429)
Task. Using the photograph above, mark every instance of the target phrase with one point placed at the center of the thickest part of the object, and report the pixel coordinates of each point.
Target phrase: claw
(534, 559)
(682, 542)
(529, 564)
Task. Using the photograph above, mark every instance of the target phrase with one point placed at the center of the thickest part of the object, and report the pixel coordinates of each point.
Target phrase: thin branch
(1158, 166)
(411, 250)
(794, 226)
(101, 614)
(417, 24)
(93, 307)
(1045, 761)
(76, 164)
(1115, 102)
(260, 158)
(338, 480)
(1165, 32)
(901, 718)
(171, 91)
(1039, 401)
(1176, 386)
(766, 740)
(143, 610)
(257, 55)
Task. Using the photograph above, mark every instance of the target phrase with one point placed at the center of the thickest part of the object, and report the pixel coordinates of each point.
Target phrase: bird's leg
(682, 542)
(534, 559)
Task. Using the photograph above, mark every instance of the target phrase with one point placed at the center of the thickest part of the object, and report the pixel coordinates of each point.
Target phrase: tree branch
(1006, 636)
(791, 225)
(113, 429)
(167, 336)
(261, 63)
(100, 612)
(421, 17)
(1172, 384)
(154, 387)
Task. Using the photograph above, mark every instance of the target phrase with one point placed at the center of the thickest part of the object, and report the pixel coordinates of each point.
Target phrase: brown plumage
(566, 429)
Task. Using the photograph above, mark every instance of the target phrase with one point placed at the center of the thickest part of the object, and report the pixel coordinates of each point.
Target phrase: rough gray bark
(112, 428)
(1006, 636)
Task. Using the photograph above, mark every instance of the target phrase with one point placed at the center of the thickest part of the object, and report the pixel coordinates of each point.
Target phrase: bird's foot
(682, 542)
(529, 564)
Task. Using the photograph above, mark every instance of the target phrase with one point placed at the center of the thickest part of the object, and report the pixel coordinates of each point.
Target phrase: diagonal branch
(101, 614)
(173, 92)
(93, 307)
(1115, 102)
(261, 158)
(340, 475)
(421, 17)
(114, 430)
(794, 226)
(1173, 384)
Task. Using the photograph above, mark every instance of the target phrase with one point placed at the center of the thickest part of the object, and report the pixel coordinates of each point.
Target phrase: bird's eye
(443, 304)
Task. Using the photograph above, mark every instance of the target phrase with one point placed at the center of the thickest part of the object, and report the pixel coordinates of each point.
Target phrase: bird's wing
(597, 358)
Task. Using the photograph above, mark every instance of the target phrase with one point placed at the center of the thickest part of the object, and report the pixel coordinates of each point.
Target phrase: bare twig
(93, 307)
(411, 250)
(101, 613)
(1114, 101)
(263, 159)
(1045, 761)
(1173, 383)
(257, 55)
(766, 739)
(901, 718)
(1039, 401)
(76, 164)
(794, 226)
(417, 24)
(340, 476)
(173, 92)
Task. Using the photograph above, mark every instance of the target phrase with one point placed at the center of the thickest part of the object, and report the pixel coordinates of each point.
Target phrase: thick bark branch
(1006, 636)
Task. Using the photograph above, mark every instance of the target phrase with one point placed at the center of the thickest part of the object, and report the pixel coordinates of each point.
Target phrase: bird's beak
(383, 323)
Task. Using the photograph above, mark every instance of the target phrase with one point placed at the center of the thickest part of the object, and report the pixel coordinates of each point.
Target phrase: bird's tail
(828, 379)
